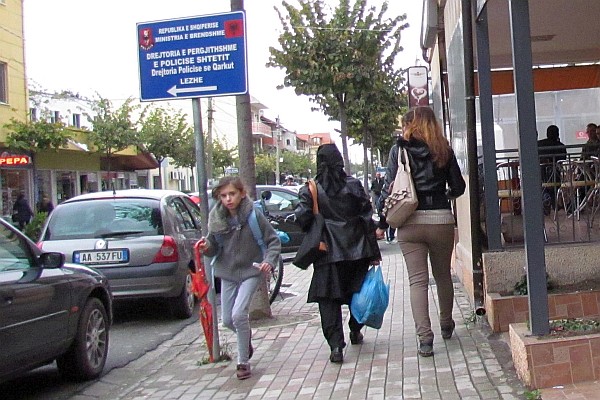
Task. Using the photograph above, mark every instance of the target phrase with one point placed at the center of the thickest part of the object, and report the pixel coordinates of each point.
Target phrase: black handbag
(312, 247)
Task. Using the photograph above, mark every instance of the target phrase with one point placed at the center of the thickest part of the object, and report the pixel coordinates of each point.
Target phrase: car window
(281, 201)
(195, 211)
(14, 254)
(98, 218)
(184, 218)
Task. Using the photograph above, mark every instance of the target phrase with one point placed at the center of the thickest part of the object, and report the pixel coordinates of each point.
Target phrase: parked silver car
(142, 240)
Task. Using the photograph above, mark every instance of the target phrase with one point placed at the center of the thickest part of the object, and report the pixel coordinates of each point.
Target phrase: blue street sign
(193, 57)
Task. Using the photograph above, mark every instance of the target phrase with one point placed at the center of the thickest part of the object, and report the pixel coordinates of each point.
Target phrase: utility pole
(277, 139)
(244, 127)
(209, 141)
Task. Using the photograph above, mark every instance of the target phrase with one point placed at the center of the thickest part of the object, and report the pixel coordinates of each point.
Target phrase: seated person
(550, 150)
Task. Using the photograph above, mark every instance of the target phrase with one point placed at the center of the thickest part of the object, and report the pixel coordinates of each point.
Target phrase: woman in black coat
(21, 211)
(351, 245)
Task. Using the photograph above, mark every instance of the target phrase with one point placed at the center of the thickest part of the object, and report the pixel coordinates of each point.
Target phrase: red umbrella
(200, 287)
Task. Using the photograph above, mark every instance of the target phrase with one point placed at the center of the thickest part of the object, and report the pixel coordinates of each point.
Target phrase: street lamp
(277, 139)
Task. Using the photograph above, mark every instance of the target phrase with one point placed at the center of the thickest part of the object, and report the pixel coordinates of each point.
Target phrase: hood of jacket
(416, 148)
(217, 218)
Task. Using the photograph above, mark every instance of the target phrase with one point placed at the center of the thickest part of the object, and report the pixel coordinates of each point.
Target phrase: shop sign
(14, 161)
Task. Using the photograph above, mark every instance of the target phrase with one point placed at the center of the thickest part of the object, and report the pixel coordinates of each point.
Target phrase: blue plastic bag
(368, 306)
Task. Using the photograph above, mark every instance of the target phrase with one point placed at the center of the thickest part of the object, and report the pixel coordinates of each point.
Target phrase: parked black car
(280, 202)
(50, 311)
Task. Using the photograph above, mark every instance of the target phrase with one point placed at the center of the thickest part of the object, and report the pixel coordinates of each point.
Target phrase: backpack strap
(256, 232)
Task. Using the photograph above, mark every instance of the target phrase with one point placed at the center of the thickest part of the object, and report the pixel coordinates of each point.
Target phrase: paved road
(139, 328)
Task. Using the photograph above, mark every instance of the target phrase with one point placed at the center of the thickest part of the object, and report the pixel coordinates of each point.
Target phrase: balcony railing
(260, 129)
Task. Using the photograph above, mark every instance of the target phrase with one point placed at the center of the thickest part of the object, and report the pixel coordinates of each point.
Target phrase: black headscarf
(330, 169)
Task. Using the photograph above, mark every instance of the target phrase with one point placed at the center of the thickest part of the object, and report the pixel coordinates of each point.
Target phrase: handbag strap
(312, 187)
(405, 165)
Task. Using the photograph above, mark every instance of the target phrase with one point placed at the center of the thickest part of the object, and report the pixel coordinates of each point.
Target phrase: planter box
(501, 311)
(542, 363)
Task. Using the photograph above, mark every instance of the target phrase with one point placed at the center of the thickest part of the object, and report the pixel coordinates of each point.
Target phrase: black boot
(336, 356)
(356, 337)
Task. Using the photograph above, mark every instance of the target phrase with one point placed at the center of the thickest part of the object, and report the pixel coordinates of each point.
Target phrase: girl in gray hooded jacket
(231, 241)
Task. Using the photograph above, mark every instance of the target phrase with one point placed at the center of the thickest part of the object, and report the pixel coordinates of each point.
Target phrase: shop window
(13, 183)
(3, 83)
(65, 185)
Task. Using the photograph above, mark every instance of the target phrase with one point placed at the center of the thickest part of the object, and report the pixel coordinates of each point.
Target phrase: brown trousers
(418, 243)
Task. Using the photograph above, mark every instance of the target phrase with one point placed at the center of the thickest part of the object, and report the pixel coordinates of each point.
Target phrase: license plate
(114, 256)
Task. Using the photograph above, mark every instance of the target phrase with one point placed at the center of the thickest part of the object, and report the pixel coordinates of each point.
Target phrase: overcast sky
(91, 47)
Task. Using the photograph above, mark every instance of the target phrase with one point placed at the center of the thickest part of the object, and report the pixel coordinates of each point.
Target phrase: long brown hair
(421, 123)
(236, 181)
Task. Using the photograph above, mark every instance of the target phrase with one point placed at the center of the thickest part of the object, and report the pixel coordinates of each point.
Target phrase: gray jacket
(240, 249)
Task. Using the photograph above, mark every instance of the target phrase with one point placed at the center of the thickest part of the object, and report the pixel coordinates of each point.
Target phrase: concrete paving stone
(489, 395)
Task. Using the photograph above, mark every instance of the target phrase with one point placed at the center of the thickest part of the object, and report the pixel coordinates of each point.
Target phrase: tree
(32, 137)
(297, 164)
(333, 60)
(265, 165)
(222, 156)
(113, 129)
(162, 133)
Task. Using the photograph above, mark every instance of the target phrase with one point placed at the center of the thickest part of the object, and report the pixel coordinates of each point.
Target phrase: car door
(185, 225)
(34, 305)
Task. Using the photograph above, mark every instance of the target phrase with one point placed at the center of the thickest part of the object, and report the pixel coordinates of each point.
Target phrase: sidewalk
(291, 359)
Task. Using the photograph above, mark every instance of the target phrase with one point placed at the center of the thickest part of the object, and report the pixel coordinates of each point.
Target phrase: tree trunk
(246, 149)
(365, 160)
(160, 173)
(343, 131)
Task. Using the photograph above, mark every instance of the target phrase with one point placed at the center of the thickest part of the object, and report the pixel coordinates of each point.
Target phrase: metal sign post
(195, 57)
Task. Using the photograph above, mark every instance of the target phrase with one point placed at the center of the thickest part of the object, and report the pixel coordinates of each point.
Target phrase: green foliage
(38, 135)
(296, 164)
(521, 286)
(265, 168)
(113, 130)
(34, 228)
(533, 394)
(165, 133)
(344, 63)
(222, 156)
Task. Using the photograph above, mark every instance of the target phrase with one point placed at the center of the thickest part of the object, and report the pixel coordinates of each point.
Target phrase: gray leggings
(235, 305)
(418, 242)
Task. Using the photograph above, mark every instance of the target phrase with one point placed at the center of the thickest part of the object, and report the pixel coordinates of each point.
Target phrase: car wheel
(182, 306)
(86, 357)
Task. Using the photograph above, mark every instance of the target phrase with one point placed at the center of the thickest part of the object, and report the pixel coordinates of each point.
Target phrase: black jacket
(349, 227)
(377, 185)
(435, 186)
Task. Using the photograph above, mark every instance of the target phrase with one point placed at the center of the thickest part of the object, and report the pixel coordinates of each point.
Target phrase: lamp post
(277, 139)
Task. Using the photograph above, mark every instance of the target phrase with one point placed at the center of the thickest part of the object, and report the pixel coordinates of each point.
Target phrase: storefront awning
(549, 79)
(142, 160)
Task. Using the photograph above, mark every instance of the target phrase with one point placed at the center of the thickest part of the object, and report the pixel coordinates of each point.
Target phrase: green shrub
(34, 228)
(521, 286)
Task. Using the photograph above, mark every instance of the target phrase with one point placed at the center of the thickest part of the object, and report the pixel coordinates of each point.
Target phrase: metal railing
(570, 197)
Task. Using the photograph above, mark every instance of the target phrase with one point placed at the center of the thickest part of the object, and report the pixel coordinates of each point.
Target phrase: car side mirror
(52, 260)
